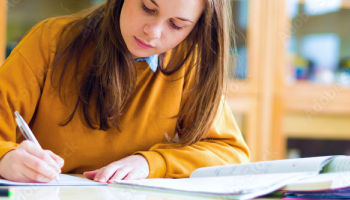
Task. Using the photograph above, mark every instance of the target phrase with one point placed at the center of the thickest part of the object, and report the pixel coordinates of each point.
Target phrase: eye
(176, 27)
(146, 9)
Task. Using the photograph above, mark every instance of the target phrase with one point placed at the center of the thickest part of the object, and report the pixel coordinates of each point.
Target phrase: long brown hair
(109, 79)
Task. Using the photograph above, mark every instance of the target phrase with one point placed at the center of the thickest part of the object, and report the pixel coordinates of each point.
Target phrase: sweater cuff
(7, 148)
(156, 163)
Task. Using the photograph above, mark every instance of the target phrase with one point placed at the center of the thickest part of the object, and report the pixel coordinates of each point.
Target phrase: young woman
(131, 90)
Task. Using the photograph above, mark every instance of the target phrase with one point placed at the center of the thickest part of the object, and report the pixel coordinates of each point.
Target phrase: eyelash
(146, 9)
(152, 11)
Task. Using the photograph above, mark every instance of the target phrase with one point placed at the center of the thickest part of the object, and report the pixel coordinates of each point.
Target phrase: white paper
(225, 185)
(314, 164)
(338, 164)
(335, 180)
(65, 180)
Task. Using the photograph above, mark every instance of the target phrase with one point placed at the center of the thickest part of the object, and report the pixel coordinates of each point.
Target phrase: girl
(131, 90)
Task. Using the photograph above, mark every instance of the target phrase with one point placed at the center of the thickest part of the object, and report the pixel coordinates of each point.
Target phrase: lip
(142, 44)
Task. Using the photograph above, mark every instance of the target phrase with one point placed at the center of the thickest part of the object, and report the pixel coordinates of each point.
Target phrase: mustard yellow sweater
(25, 86)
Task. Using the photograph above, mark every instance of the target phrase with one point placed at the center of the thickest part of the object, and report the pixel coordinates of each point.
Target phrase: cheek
(128, 20)
(173, 39)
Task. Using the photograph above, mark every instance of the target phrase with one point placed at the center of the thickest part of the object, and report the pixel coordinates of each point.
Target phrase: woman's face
(152, 27)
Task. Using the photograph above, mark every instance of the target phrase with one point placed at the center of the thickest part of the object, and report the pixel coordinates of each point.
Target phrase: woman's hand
(30, 163)
(130, 168)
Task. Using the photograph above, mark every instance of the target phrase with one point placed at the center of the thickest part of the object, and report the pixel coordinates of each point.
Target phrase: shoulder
(45, 32)
(40, 42)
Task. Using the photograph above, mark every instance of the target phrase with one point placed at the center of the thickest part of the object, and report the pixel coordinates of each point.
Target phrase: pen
(27, 133)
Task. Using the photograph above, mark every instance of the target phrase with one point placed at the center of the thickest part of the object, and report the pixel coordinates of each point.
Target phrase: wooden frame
(273, 48)
(3, 19)
(260, 97)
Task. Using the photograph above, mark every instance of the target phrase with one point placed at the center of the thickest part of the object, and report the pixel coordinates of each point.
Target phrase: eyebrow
(182, 19)
(154, 3)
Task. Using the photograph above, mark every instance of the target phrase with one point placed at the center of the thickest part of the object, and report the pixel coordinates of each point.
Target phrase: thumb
(90, 174)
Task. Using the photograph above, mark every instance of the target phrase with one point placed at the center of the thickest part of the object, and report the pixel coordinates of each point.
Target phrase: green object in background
(97, 2)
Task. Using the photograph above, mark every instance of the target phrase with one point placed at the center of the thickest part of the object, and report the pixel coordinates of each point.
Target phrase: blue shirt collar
(152, 61)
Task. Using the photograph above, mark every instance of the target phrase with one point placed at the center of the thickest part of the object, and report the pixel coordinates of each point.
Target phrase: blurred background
(289, 90)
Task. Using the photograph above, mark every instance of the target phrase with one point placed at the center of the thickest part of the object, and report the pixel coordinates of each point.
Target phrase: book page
(314, 164)
(65, 180)
(338, 164)
(224, 185)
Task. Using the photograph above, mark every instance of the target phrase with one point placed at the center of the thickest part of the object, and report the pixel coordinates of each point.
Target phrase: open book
(240, 181)
(333, 181)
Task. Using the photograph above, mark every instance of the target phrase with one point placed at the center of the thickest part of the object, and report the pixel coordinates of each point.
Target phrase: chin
(141, 53)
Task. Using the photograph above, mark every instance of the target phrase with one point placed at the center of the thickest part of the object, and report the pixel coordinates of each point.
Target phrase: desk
(117, 192)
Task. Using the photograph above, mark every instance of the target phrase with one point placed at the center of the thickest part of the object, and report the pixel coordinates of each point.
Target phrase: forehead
(181, 8)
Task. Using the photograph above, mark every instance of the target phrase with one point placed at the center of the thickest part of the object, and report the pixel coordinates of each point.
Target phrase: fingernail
(102, 180)
(44, 179)
(96, 179)
(54, 175)
(112, 181)
(52, 170)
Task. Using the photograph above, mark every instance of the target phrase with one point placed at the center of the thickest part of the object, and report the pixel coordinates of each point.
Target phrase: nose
(153, 30)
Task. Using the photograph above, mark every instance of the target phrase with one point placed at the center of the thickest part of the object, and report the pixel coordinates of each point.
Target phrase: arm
(21, 82)
(224, 145)
(20, 86)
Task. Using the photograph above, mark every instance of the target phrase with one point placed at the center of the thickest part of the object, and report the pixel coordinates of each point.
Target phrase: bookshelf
(310, 109)
(275, 108)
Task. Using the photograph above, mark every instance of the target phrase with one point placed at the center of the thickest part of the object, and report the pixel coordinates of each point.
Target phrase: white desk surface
(95, 192)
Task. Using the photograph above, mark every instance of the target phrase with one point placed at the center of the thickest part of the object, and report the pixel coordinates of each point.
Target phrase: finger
(20, 177)
(120, 174)
(38, 165)
(99, 174)
(36, 151)
(90, 175)
(33, 176)
(56, 158)
(106, 173)
(24, 179)
(133, 175)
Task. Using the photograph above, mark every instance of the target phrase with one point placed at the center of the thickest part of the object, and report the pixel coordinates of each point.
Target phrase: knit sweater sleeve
(22, 77)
